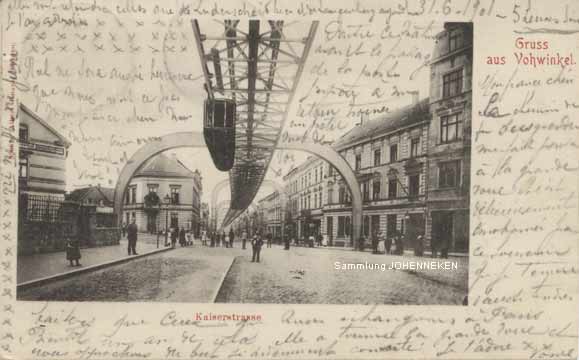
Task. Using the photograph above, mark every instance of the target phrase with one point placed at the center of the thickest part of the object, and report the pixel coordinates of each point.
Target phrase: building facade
(270, 208)
(164, 194)
(304, 186)
(449, 140)
(413, 164)
(388, 155)
(43, 153)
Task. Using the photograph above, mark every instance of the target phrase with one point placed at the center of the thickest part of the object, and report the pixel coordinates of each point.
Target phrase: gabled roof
(96, 192)
(164, 166)
(64, 140)
(372, 129)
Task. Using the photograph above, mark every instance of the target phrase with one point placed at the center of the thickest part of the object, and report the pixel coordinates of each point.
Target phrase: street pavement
(300, 275)
(32, 267)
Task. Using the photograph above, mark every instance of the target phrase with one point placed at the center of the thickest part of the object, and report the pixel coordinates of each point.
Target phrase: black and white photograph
(217, 161)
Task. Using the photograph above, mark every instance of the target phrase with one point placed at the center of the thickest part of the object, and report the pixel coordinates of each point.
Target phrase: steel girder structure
(260, 71)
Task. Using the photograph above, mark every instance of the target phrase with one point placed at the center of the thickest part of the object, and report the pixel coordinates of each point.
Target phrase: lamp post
(167, 201)
(157, 226)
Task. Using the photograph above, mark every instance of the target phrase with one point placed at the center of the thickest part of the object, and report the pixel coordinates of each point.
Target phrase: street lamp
(167, 201)
(157, 226)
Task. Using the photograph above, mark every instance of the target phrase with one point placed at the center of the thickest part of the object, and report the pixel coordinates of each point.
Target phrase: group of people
(223, 239)
(394, 245)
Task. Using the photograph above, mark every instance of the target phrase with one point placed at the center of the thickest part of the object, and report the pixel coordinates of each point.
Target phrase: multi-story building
(388, 155)
(43, 153)
(271, 210)
(164, 194)
(413, 164)
(304, 186)
(449, 139)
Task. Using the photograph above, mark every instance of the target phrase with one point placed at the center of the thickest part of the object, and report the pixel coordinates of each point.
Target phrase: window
(366, 191)
(175, 195)
(413, 185)
(133, 197)
(330, 196)
(450, 128)
(341, 226)
(23, 133)
(315, 197)
(455, 39)
(414, 143)
(320, 198)
(394, 153)
(377, 157)
(342, 195)
(376, 190)
(358, 161)
(153, 188)
(448, 174)
(331, 170)
(392, 188)
(348, 227)
(23, 167)
(452, 83)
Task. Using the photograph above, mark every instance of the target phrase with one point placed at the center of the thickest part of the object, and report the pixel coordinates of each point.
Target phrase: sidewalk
(32, 267)
(427, 253)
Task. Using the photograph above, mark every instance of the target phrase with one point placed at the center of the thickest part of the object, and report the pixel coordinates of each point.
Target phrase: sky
(146, 93)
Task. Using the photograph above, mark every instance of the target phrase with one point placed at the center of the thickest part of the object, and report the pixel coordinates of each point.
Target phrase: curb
(225, 273)
(45, 280)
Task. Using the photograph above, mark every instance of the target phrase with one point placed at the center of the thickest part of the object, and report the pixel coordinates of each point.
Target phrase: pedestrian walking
(256, 244)
(132, 237)
(374, 243)
(124, 228)
(182, 237)
(224, 242)
(381, 249)
(388, 244)
(419, 246)
(231, 238)
(243, 239)
(173, 237)
(320, 238)
(72, 251)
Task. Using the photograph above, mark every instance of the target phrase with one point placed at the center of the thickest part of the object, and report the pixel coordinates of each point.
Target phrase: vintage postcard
(279, 179)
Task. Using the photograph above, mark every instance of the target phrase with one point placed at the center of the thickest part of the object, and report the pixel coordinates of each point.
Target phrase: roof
(100, 192)
(164, 166)
(64, 140)
(391, 122)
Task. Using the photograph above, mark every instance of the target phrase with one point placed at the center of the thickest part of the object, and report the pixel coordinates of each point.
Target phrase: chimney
(364, 118)
(415, 96)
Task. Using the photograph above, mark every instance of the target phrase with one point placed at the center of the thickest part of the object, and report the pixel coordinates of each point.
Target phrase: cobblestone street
(301, 275)
(305, 275)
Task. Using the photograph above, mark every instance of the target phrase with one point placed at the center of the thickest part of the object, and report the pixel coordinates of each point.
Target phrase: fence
(46, 222)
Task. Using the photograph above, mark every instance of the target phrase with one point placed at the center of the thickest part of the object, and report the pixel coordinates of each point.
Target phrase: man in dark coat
(256, 244)
(132, 237)
(174, 232)
(182, 237)
(388, 244)
(231, 237)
